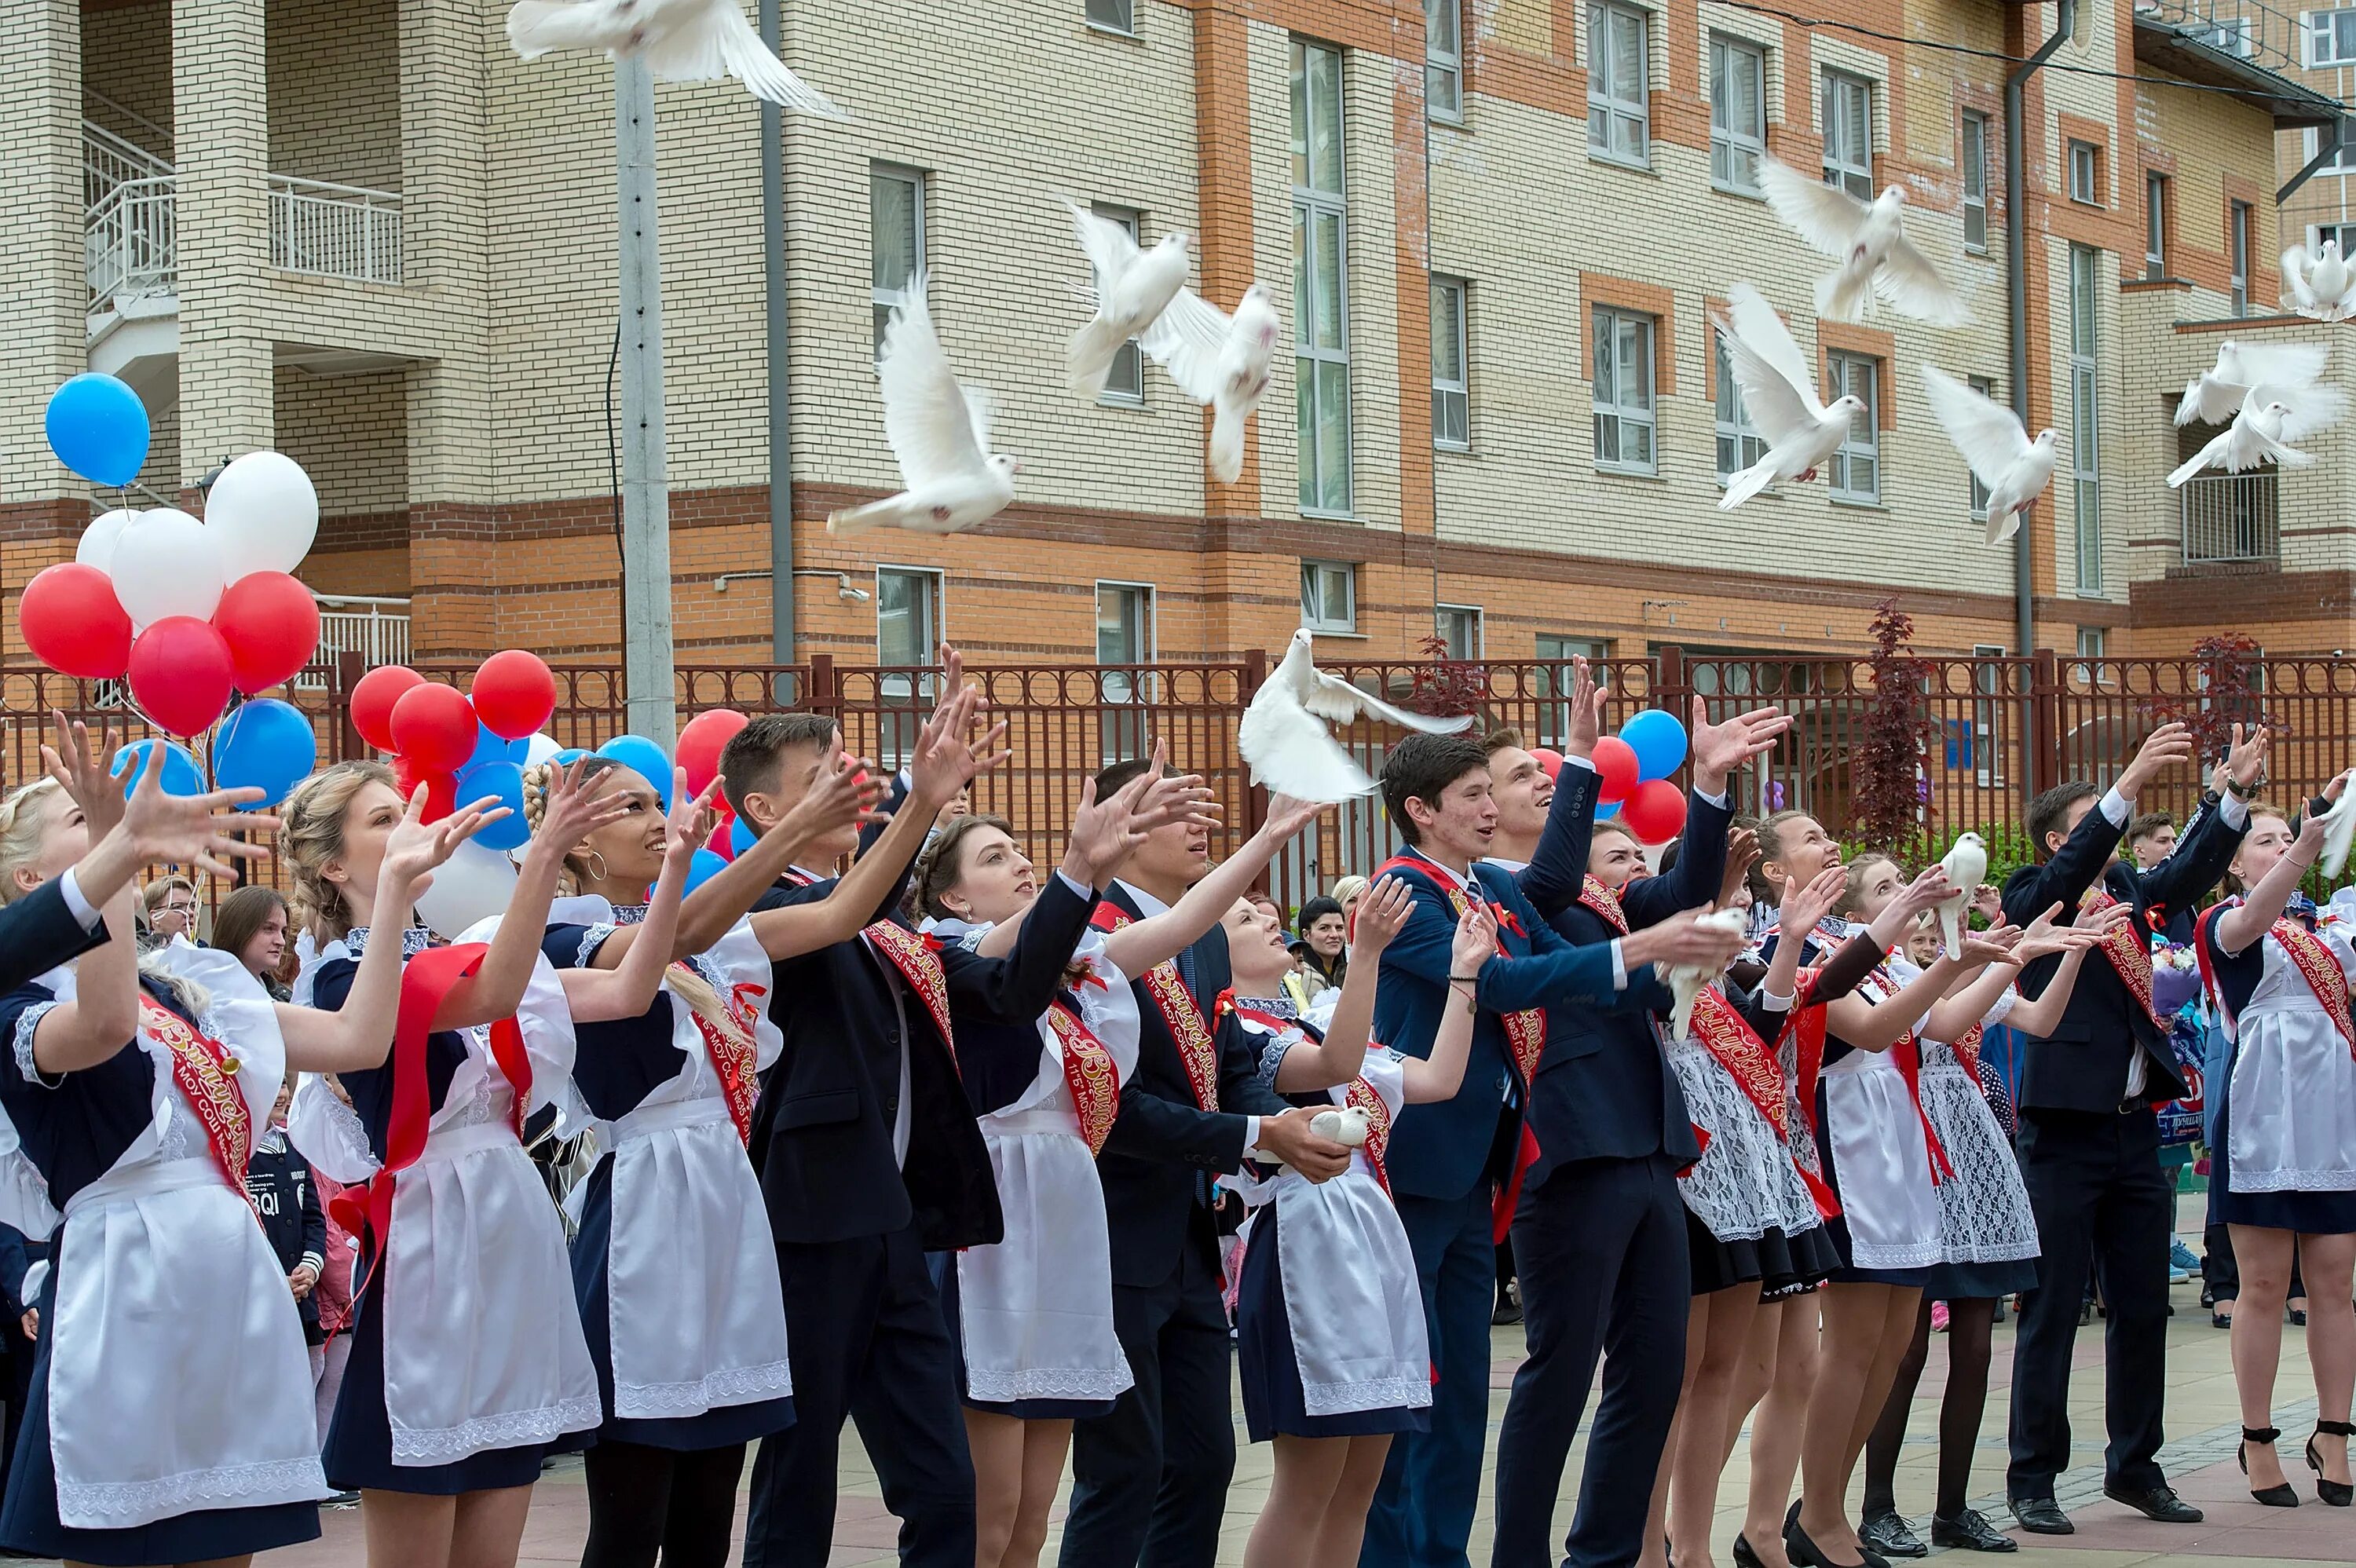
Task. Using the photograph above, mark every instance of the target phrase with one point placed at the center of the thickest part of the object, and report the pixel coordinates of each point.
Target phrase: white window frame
(1452, 392)
(1316, 577)
(1731, 417)
(1985, 387)
(1317, 209)
(2086, 173)
(2093, 643)
(1863, 442)
(1123, 733)
(1614, 105)
(1111, 16)
(2235, 35)
(2239, 236)
(884, 296)
(1975, 129)
(2085, 283)
(1443, 60)
(2311, 144)
(1605, 324)
(1470, 617)
(1987, 682)
(902, 696)
(1735, 150)
(2317, 233)
(1124, 385)
(2156, 197)
(2321, 32)
(1850, 168)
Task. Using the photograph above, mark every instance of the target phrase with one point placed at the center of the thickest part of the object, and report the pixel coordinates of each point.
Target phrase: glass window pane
(1627, 56)
(1300, 115)
(1304, 375)
(1325, 118)
(1447, 345)
(1300, 312)
(1333, 435)
(1327, 266)
(892, 223)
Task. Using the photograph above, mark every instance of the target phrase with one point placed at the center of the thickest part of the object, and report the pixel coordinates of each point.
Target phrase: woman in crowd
(1321, 952)
(251, 927)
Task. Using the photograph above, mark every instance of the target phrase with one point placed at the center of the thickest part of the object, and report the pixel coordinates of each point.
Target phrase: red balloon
(181, 673)
(1615, 759)
(372, 699)
(271, 623)
(699, 745)
(440, 789)
(1656, 813)
(73, 623)
(722, 819)
(435, 728)
(1549, 759)
(515, 691)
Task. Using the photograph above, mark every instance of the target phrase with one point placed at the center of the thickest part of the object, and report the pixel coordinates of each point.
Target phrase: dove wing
(1107, 245)
(1186, 340)
(2339, 834)
(718, 41)
(1783, 413)
(2200, 459)
(1757, 324)
(1335, 699)
(931, 422)
(536, 26)
(1825, 216)
(2311, 408)
(2209, 400)
(2283, 365)
(1911, 284)
(1291, 753)
(1987, 435)
(2294, 266)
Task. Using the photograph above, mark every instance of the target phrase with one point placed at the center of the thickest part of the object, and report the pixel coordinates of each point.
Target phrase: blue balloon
(505, 780)
(567, 757)
(1658, 741)
(98, 428)
(1606, 811)
(265, 743)
(488, 748)
(644, 758)
(741, 836)
(702, 869)
(181, 775)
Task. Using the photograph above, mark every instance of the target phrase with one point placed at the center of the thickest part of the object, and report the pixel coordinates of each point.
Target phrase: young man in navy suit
(1445, 1156)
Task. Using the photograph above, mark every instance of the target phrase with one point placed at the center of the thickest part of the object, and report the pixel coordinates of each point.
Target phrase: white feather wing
(1987, 435)
(929, 420)
(1186, 340)
(1781, 411)
(2311, 408)
(2281, 364)
(718, 41)
(1291, 752)
(1338, 699)
(1912, 285)
(1107, 245)
(1825, 216)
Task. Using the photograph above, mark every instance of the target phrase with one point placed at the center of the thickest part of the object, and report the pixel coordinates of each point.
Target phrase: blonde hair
(1852, 883)
(1348, 887)
(311, 834)
(23, 817)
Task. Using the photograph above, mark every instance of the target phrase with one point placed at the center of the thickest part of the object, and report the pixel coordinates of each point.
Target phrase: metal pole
(781, 451)
(646, 494)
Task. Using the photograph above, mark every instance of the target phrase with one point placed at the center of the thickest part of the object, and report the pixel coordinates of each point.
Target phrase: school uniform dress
(2285, 1147)
(467, 1365)
(168, 1418)
(1880, 1156)
(674, 1268)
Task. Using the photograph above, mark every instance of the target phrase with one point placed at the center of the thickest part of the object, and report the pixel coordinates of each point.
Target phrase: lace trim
(1374, 1393)
(2291, 1180)
(592, 939)
(123, 1503)
(734, 1385)
(988, 1387)
(629, 914)
(414, 940)
(1271, 1057)
(516, 1429)
(27, 1022)
(1275, 1006)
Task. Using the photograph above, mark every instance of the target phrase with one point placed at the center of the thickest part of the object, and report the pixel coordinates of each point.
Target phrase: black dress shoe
(2159, 1502)
(2279, 1496)
(1971, 1532)
(2338, 1494)
(2042, 1516)
(1888, 1534)
(1747, 1555)
(1806, 1553)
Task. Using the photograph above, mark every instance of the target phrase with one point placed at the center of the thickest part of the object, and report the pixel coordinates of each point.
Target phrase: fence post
(2044, 737)
(821, 697)
(344, 734)
(1255, 798)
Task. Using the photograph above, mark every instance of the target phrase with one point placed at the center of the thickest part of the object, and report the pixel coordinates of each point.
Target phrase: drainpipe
(772, 259)
(2015, 259)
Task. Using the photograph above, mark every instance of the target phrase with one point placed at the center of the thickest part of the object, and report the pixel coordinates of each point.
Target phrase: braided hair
(536, 780)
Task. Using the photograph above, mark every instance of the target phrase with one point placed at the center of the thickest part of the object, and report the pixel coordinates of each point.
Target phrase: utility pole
(645, 490)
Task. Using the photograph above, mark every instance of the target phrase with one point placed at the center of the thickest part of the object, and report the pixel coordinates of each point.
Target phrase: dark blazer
(2082, 1064)
(286, 1202)
(1442, 1149)
(1164, 1148)
(37, 933)
(1604, 1090)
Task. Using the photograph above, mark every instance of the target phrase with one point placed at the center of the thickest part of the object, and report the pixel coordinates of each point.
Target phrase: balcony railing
(334, 231)
(130, 242)
(376, 629)
(108, 161)
(2230, 518)
(2268, 35)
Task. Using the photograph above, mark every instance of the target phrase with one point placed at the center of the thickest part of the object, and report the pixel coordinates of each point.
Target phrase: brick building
(361, 232)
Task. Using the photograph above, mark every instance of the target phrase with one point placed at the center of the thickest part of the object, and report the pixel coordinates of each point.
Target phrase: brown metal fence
(2000, 728)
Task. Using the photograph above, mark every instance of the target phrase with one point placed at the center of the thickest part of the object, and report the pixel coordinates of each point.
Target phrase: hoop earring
(599, 872)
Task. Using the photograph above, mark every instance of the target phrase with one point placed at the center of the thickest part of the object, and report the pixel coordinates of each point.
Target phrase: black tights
(1970, 1326)
(647, 1500)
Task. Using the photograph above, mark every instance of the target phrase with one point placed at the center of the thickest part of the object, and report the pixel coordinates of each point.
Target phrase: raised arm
(1321, 1064)
(1558, 869)
(626, 988)
(2040, 1015)
(2089, 850)
(1441, 1074)
(1803, 907)
(102, 1015)
(151, 826)
(1878, 1026)
(1139, 946)
(845, 792)
(2256, 914)
(2209, 844)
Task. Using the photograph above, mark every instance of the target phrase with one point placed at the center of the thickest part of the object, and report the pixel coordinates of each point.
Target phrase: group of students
(947, 1146)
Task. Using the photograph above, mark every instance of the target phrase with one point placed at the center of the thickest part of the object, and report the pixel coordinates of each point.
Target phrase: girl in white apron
(2285, 1147)
(1329, 1317)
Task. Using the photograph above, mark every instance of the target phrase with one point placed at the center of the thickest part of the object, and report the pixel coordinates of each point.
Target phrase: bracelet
(2241, 790)
(1464, 979)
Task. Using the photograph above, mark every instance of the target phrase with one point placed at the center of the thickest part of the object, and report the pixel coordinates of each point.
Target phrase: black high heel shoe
(2273, 1496)
(1747, 1555)
(2338, 1494)
(1806, 1553)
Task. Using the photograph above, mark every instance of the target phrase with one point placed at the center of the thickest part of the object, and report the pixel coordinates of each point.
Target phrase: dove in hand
(1219, 359)
(1967, 867)
(2259, 433)
(2214, 396)
(2321, 287)
(939, 431)
(1283, 734)
(1781, 396)
(1868, 241)
(1345, 1125)
(681, 40)
(2339, 832)
(1688, 981)
(1996, 446)
(1133, 287)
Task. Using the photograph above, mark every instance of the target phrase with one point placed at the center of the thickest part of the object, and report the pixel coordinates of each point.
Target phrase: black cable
(614, 479)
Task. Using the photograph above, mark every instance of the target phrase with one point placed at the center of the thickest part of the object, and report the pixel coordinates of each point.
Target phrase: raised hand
(1380, 915)
(1103, 832)
(1929, 889)
(1741, 854)
(2246, 759)
(845, 792)
(1585, 724)
(82, 771)
(1288, 817)
(574, 812)
(1803, 907)
(691, 820)
(944, 760)
(1476, 939)
(1167, 797)
(1719, 748)
(1988, 902)
(1683, 939)
(2165, 747)
(192, 830)
(1995, 946)
(415, 846)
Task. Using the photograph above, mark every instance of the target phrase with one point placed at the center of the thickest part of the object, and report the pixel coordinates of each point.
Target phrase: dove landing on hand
(2258, 432)
(1870, 242)
(1966, 868)
(2338, 831)
(1133, 287)
(2321, 287)
(681, 40)
(1345, 1125)
(2292, 369)
(939, 431)
(1283, 734)
(1218, 359)
(1687, 981)
(1997, 448)
(1781, 395)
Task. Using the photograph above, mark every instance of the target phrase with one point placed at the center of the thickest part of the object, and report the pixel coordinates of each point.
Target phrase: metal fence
(2229, 516)
(334, 231)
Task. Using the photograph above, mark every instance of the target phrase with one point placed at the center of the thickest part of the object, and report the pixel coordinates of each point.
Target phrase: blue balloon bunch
(1658, 741)
(180, 773)
(497, 770)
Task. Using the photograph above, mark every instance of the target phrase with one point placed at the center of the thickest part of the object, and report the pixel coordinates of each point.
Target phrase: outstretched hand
(947, 757)
(573, 809)
(2164, 748)
(1380, 914)
(845, 792)
(692, 819)
(416, 847)
(82, 770)
(1584, 726)
(1929, 889)
(1169, 797)
(192, 830)
(2246, 759)
(1741, 854)
(1476, 939)
(1803, 907)
(1719, 748)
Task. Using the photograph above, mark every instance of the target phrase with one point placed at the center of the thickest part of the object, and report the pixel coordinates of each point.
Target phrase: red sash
(734, 1056)
(2129, 949)
(2313, 957)
(1362, 1095)
(1736, 1046)
(1181, 1014)
(1089, 1071)
(1907, 1056)
(206, 1075)
(920, 966)
(1604, 903)
(1804, 1027)
(1525, 1030)
(1968, 1049)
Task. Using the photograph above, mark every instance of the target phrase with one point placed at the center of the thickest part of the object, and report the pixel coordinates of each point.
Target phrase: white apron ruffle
(1882, 1164)
(2291, 1098)
(1745, 1182)
(1984, 1210)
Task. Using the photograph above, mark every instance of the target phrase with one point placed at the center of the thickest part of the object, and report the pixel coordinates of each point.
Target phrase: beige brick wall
(335, 90)
(127, 57)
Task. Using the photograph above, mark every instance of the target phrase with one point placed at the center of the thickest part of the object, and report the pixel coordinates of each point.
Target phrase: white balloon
(266, 513)
(166, 563)
(540, 749)
(105, 531)
(475, 885)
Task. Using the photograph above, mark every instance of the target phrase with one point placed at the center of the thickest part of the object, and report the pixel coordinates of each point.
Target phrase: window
(2085, 416)
(2091, 642)
(1458, 625)
(1849, 133)
(1985, 387)
(1739, 444)
(1987, 761)
(2230, 35)
(2086, 173)
(2155, 226)
(1738, 115)
(1113, 16)
(1125, 382)
(2237, 241)
(1124, 637)
(2341, 234)
(1321, 291)
(2331, 38)
(895, 233)
(908, 631)
(1973, 153)
(1329, 596)
(1443, 60)
(1857, 466)
(1623, 390)
(1550, 682)
(2342, 160)
(1618, 127)
(1452, 392)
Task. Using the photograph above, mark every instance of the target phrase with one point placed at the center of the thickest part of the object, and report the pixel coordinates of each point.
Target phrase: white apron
(1745, 1183)
(2291, 1098)
(1984, 1211)
(1882, 1162)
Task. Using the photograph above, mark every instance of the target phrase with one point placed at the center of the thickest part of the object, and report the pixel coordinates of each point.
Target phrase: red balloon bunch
(434, 729)
(699, 744)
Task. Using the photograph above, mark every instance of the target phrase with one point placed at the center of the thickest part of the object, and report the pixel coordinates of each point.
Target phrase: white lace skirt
(1745, 1183)
(1984, 1210)
(1880, 1166)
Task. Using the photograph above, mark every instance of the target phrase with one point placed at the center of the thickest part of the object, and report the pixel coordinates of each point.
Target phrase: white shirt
(2116, 809)
(80, 908)
(1148, 906)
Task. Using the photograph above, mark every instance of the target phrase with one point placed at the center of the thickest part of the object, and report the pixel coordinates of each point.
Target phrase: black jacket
(287, 1203)
(37, 933)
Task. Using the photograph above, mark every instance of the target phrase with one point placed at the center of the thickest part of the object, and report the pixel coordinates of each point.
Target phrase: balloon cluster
(461, 746)
(1635, 765)
(699, 745)
(189, 610)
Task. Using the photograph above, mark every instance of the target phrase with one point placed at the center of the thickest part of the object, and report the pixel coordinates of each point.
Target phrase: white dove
(1219, 359)
(1996, 446)
(1781, 396)
(2339, 832)
(1345, 1125)
(2215, 395)
(2323, 286)
(1688, 981)
(939, 431)
(2258, 434)
(681, 40)
(1283, 734)
(1133, 287)
(1967, 867)
(1868, 242)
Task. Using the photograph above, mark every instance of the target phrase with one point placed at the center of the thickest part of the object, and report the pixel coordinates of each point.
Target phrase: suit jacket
(1604, 1089)
(1442, 1148)
(2082, 1064)
(37, 933)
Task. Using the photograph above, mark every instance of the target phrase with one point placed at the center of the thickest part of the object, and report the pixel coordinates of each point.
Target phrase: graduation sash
(1968, 1049)
(1736, 1046)
(732, 1053)
(1088, 1072)
(2129, 951)
(206, 1075)
(1604, 903)
(919, 963)
(1361, 1094)
(2309, 952)
(1181, 1014)
(1525, 1030)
